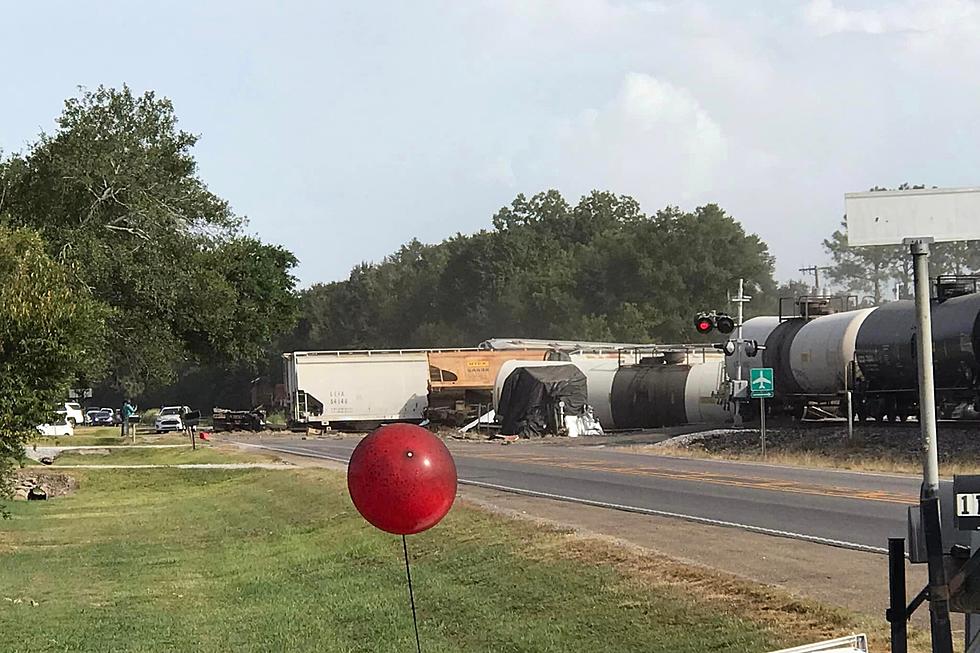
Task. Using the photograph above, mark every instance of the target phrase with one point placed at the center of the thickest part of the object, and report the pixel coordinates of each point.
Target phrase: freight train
(363, 388)
(871, 354)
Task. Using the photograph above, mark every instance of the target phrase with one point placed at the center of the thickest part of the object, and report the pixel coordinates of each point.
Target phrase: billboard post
(916, 218)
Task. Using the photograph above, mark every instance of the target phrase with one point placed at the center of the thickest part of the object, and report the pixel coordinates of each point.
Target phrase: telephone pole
(815, 270)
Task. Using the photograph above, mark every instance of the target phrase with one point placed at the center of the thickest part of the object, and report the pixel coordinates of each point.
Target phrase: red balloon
(402, 479)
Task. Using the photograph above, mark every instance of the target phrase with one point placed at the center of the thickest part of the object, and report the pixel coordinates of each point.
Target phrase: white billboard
(889, 217)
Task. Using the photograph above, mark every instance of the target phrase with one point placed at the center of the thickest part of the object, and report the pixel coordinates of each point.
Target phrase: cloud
(912, 16)
(651, 134)
(500, 170)
(939, 37)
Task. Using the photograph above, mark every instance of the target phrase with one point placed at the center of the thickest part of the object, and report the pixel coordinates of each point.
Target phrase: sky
(344, 129)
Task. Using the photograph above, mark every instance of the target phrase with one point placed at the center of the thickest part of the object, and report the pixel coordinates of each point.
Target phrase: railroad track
(838, 423)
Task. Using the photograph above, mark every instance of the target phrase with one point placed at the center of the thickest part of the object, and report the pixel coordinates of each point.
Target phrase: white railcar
(823, 349)
(356, 387)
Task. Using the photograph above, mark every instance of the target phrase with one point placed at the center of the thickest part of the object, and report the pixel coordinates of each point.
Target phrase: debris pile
(30, 485)
(224, 419)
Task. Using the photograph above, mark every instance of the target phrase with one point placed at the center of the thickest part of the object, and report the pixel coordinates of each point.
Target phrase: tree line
(599, 269)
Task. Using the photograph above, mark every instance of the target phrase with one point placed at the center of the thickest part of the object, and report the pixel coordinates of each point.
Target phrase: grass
(814, 460)
(870, 449)
(163, 456)
(174, 560)
(107, 435)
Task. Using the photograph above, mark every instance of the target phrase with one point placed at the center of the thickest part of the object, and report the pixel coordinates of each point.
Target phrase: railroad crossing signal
(707, 322)
(761, 383)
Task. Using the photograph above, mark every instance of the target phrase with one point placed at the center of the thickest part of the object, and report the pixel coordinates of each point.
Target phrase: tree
(116, 196)
(862, 270)
(49, 330)
(600, 269)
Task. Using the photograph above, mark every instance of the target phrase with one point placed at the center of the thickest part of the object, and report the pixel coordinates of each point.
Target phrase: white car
(72, 413)
(59, 428)
(168, 419)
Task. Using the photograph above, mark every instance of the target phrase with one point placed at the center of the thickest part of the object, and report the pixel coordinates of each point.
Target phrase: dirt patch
(872, 448)
(92, 452)
(32, 483)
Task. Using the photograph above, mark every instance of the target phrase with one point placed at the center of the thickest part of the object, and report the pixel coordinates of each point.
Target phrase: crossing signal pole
(739, 345)
(706, 322)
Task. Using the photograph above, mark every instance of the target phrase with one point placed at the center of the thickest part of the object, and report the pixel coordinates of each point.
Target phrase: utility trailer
(356, 389)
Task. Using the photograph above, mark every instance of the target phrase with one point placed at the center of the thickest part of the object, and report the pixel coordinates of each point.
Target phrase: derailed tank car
(662, 389)
(658, 392)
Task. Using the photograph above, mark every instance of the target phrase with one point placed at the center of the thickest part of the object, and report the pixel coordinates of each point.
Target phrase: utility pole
(815, 270)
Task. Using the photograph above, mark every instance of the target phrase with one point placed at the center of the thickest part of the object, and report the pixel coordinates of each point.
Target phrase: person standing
(128, 410)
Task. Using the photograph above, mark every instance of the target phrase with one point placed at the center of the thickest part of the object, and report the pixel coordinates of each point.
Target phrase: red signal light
(704, 324)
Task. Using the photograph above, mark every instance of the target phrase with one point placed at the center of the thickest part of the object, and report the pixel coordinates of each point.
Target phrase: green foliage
(49, 329)
(600, 269)
(862, 270)
(116, 196)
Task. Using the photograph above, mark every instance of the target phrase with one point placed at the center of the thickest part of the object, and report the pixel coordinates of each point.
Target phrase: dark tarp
(529, 399)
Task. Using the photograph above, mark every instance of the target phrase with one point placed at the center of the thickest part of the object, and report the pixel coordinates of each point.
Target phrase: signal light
(725, 324)
(704, 323)
(707, 322)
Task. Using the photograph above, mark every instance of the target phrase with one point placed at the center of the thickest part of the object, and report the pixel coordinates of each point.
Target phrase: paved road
(851, 509)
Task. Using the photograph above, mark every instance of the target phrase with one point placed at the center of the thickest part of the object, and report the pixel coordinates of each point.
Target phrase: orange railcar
(462, 381)
(473, 370)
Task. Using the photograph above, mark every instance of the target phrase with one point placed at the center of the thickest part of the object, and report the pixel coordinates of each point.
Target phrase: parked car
(59, 428)
(104, 417)
(72, 412)
(90, 415)
(169, 418)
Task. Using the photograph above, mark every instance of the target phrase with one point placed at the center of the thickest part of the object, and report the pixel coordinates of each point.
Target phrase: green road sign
(760, 382)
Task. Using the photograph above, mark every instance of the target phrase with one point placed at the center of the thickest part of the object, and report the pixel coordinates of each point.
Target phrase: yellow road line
(752, 482)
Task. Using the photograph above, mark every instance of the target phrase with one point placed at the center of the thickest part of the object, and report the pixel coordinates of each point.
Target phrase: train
(363, 388)
(827, 358)
(821, 356)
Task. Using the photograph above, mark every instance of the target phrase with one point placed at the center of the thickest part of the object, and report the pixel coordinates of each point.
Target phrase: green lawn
(107, 435)
(187, 560)
(163, 456)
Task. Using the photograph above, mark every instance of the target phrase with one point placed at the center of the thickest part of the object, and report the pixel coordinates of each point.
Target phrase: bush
(149, 416)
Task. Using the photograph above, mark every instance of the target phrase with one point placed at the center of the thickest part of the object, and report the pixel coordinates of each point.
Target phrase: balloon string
(411, 595)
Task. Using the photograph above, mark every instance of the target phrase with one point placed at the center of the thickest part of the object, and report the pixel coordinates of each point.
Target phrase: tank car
(821, 353)
(872, 352)
(660, 390)
(885, 355)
